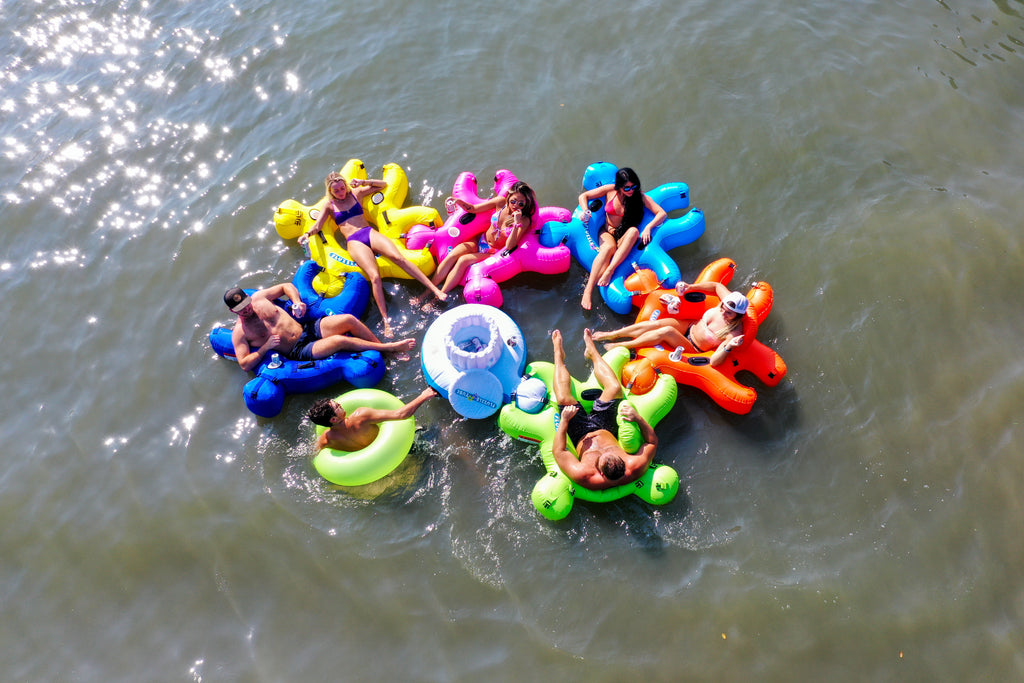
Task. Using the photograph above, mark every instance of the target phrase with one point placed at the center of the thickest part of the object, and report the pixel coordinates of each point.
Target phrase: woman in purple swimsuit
(343, 205)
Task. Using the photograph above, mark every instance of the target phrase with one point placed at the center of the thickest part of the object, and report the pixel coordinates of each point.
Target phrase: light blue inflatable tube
(674, 232)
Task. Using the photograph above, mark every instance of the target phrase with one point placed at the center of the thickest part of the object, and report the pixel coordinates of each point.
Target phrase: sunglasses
(628, 188)
(516, 202)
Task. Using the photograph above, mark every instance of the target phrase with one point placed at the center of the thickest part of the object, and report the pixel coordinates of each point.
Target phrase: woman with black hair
(624, 209)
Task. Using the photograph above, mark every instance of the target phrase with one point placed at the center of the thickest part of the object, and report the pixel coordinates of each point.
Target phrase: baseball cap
(737, 303)
(236, 299)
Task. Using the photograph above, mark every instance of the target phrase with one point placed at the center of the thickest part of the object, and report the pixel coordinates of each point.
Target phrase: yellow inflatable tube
(383, 211)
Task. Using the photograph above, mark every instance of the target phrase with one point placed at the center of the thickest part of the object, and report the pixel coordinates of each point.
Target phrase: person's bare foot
(388, 332)
(556, 341)
(605, 280)
(600, 336)
(587, 302)
(401, 349)
(589, 350)
(612, 345)
(424, 302)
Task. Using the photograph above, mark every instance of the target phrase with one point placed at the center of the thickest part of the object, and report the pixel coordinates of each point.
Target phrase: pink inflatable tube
(460, 226)
(480, 285)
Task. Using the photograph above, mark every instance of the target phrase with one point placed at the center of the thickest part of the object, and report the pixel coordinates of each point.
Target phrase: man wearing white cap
(719, 329)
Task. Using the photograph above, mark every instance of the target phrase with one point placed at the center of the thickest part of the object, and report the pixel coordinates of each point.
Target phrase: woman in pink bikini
(343, 206)
(512, 218)
(623, 209)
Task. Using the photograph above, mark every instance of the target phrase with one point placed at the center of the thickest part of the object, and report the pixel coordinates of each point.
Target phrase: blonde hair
(332, 178)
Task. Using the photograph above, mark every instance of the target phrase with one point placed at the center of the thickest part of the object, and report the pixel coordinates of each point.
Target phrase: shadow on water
(395, 488)
(645, 527)
(774, 417)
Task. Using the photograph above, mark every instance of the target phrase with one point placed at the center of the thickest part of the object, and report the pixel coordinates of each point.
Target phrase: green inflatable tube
(554, 494)
(378, 459)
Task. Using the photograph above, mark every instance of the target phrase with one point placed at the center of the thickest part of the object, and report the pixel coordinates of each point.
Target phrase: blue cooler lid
(475, 394)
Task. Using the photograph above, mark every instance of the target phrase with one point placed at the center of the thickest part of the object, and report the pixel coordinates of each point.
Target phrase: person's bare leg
(441, 274)
(661, 335)
(562, 380)
(335, 343)
(346, 324)
(383, 245)
(457, 273)
(367, 262)
(629, 330)
(606, 377)
(600, 261)
(622, 249)
(449, 261)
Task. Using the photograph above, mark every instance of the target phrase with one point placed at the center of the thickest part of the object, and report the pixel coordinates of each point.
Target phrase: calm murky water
(860, 523)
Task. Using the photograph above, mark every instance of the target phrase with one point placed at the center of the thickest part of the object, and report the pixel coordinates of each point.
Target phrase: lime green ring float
(554, 494)
(381, 457)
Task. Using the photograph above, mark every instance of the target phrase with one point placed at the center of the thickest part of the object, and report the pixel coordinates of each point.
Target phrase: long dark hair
(633, 206)
(528, 195)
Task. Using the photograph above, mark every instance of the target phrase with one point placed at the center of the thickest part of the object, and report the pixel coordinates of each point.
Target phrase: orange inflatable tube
(694, 368)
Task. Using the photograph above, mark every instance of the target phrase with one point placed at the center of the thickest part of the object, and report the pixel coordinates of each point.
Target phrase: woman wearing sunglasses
(512, 218)
(624, 209)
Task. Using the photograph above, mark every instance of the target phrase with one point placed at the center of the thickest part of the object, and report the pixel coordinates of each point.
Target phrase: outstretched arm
(325, 212)
(486, 205)
(375, 415)
(716, 288)
(285, 289)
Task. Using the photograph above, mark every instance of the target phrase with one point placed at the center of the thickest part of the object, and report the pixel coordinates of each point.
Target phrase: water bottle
(676, 355)
(655, 314)
(275, 361)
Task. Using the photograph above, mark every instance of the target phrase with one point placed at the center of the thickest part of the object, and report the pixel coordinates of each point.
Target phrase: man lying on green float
(615, 440)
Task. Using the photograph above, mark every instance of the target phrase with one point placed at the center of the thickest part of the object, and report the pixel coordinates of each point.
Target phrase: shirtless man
(357, 431)
(602, 462)
(264, 326)
(718, 329)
